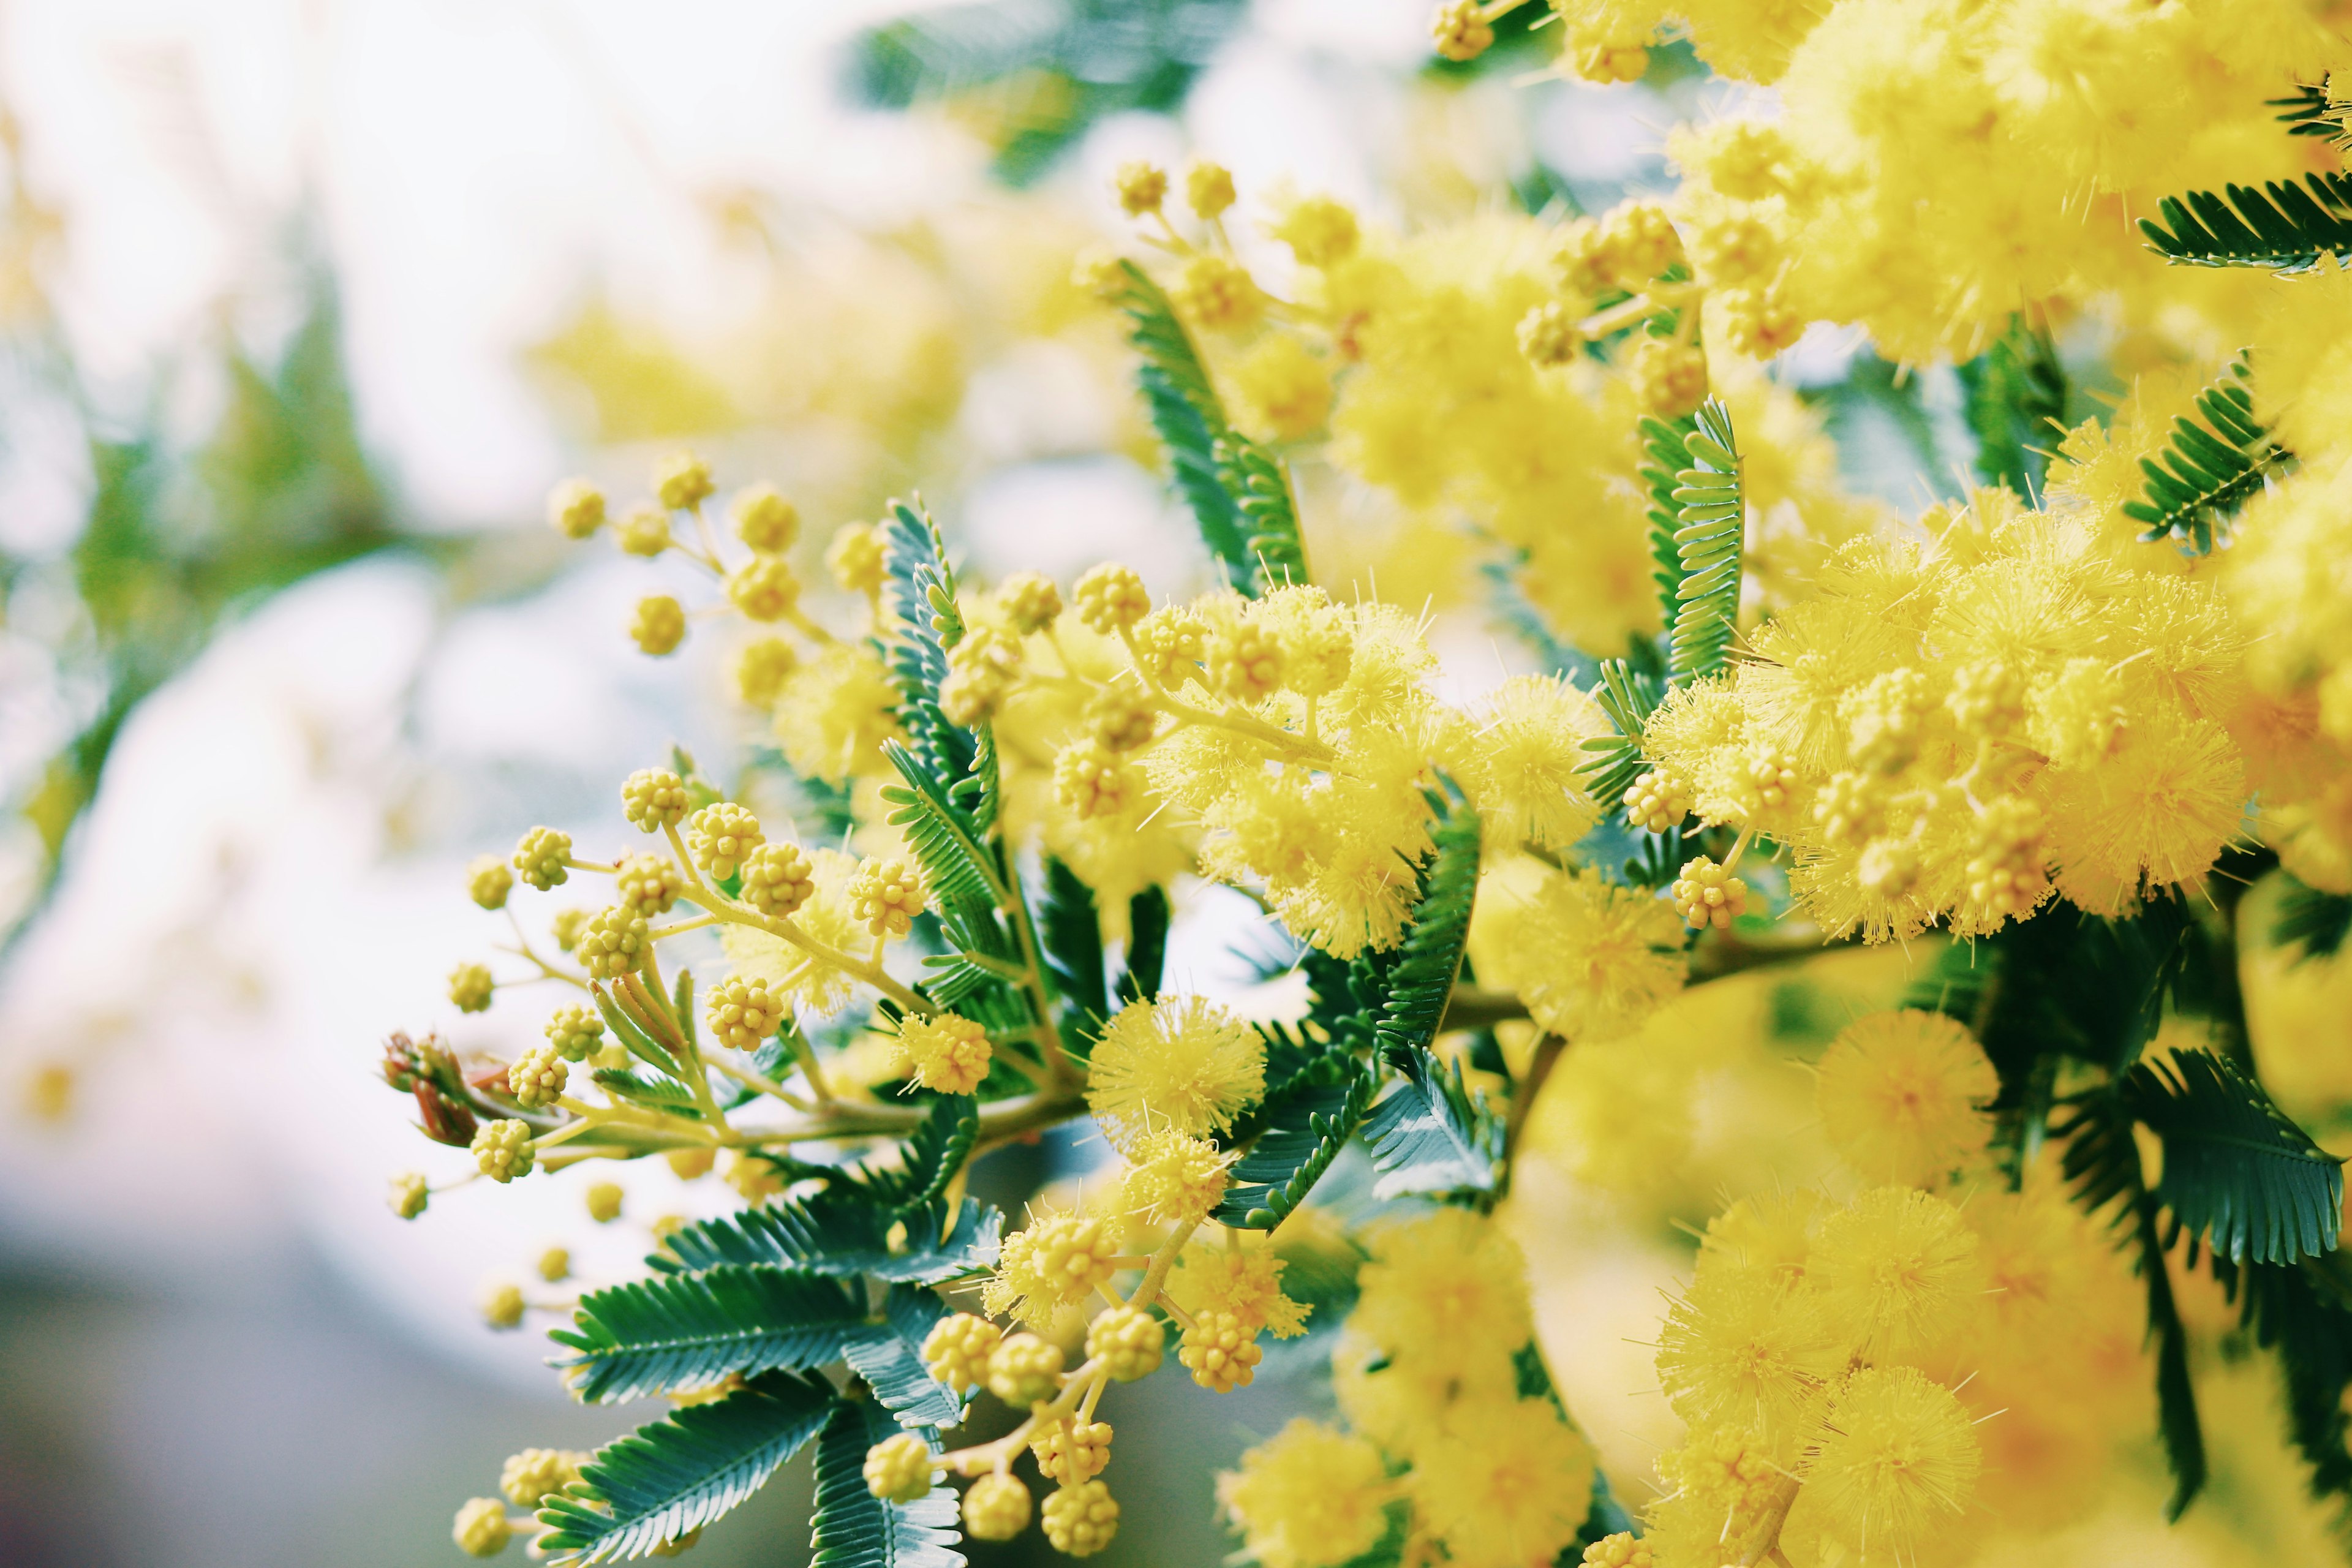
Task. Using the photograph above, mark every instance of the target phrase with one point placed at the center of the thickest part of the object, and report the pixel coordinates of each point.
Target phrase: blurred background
(303, 305)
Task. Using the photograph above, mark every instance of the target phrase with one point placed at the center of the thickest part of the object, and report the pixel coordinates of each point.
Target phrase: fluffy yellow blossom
(1590, 959)
(1309, 1497)
(944, 1052)
(1183, 1063)
(1901, 1096)
(1506, 1485)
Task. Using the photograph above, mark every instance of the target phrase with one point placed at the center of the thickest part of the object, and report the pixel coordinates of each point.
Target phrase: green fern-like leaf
(678, 1475)
(927, 1160)
(2209, 470)
(2102, 1165)
(1665, 453)
(1275, 551)
(1432, 1135)
(2300, 1313)
(2017, 396)
(1430, 957)
(1304, 1133)
(1628, 697)
(1189, 419)
(1712, 519)
(855, 1529)
(2236, 1171)
(2314, 922)
(918, 587)
(844, 1234)
(694, 1330)
(2282, 225)
(658, 1093)
(889, 1357)
(1070, 930)
(1148, 916)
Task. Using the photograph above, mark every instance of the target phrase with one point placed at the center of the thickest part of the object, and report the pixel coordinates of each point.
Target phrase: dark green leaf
(1071, 933)
(843, 1234)
(2208, 472)
(1304, 1132)
(678, 1475)
(1275, 550)
(1713, 516)
(1147, 945)
(2314, 922)
(2283, 226)
(889, 1357)
(2236, 1171)
(855, 1529)
(1189, 419)
(689, 1332)
(927, 1160)
(2016, 406)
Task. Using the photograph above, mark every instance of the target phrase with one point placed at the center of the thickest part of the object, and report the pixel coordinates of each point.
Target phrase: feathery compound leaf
(855, 1529)
(2102, 1165)
(1188, 418)
(679, 1474)
(843, 1234)
(2236, 1171)
(1666, 456)
(1431, 1135)
(1303, 1135)
(1429, 958)
(1260, 487)
(920, 588)
(2285, 227)
(2314, 922)
(694, 1330)
(1070, 930)
(2300, 1312)
(1713, 517)
(889, 1357)
(959, 868)
(2016, 397)
(1628, 697)
(2210, 470)
(927, 1160)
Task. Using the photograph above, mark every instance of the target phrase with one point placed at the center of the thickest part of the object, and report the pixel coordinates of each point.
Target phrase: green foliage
(1049, 69)
(2210, 470)
(1665, 453)
(678, 1475)
(1071, 933)
(693, 1331)
(2314, 922)
(1432, 1135)
(1273, 546)
(1238, 491)
(844, 1234)
(2016, 397)
(889, 1357)
(2283, 226)
(1628, 697)
(1147, 946)
(660, 1094)
(2102, 1165)
(2300, 1314)
(1713, 515)
(2236, 1171)
(929, 1158)
(919, 589)
(1305, 1130)
(855, 1529)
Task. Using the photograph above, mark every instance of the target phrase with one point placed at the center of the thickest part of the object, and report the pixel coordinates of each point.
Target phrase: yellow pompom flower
(488, 880)
(1216, 293)
(1705, 894)
(1460, 31)
(1023, 1369)
(658, 625)
(1220, 1355)
(530, 1475)
(1208, 188)
(721, 836)
(1173, 1178)
(885, 896)
(1896, 1272)
(1897, 1461)
(482, 1530)
(1745, 1352)
(1443, 1292)
(1072, 1451)
(1504, 1485)
(996, 1507)
(1901, 1096)
(1081, 1519)
(1320, 232)
(1245, 1282)
(1110, 599)
(575, 509)
(682, 480)
(765, 519)
(899, 1469)
(743, 1012)
(857, 558)
(836, 711)
(1309, 1497)
(1129, 1341)
(471, 987)
(1141, 186)
(957, 1349)
(1182, 1062)
(762, 668)
(765, 588)
(944, 1052)
(1284, 387)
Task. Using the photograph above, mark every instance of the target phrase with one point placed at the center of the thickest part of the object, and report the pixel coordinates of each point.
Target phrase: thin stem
(805, 1052)
(684, 926)
(765, 1086)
